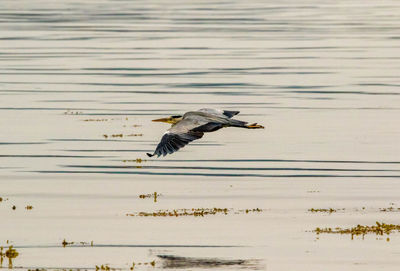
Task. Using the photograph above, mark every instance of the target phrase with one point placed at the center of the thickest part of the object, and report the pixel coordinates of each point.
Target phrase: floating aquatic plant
(197, 212)
(65, 243)
(10, 253)
(103, 267)
(360, 230)
(389, 209)
(330, 210)
(138, 160)
(155, 195)
(95, 120)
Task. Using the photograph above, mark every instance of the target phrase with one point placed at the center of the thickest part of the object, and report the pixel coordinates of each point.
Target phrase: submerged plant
(155, 195)
(378, 229)
(10, 253)
(197, 212)
(330, 210)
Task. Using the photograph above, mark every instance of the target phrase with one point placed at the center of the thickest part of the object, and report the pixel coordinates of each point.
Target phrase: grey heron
(192, 125)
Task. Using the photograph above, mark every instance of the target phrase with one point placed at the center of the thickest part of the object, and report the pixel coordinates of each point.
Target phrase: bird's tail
(254, 126)
(149, 154)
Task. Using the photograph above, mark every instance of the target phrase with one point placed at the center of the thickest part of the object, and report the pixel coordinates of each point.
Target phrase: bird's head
(171, 120)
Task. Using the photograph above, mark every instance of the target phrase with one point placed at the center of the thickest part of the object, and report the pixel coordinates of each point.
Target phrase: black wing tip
(230, 114)
(149, 154)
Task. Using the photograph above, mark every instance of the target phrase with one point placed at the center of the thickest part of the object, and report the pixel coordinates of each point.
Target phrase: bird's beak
(162, 120)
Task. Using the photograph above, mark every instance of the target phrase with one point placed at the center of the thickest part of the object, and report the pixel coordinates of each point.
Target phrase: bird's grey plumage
(219, 112)
(193, 126)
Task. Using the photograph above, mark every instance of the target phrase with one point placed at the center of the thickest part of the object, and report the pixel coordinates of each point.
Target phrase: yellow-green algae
(65, 243)
(197, 212)
(95, 120)
(360, 230)
(138, 160)
(152, 263)
(154, 195)
(120, 135)
(10, 253)
(319, 210)
(389, 209)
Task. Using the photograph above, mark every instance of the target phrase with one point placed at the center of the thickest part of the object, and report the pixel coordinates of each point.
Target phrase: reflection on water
(176, 262)
(321, 76)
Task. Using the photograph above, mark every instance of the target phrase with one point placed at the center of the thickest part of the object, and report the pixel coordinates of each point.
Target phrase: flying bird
(192, 125)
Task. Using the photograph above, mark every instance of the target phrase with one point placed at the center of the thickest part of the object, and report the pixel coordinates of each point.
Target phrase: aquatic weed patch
(138, 160)
(197, 212)
(389, 209)
(154, 195)
(85, 244)
(361, 230)
(11, 253)
(316, 210)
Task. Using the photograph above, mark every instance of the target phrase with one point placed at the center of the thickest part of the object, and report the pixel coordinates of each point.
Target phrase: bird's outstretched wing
(171, 142)
(179, 135)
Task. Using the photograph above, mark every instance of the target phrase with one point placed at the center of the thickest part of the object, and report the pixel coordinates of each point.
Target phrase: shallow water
(321, 76)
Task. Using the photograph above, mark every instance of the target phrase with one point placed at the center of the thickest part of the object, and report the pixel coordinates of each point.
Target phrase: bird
(192, 125)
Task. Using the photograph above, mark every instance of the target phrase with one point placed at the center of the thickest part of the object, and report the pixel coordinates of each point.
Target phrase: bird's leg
(254, 126)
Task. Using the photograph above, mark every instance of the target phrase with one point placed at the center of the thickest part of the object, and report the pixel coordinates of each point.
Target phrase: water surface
(321, 76)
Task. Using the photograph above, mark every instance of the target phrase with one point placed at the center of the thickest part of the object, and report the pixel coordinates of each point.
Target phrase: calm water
(80, 82)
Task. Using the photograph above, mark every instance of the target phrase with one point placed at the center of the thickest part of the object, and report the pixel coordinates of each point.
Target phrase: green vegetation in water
(113, 135)
(66, 269)
(138, 160)
(69, 112)
(10, 253)
(152, 263)
(65, 243)
(95, 120)
(255, 210)
(120, 135)
(360, 230)
(104, 267)
(362, 209)
(197, 212)
(155, 195)
(389, 209)
(330, 210)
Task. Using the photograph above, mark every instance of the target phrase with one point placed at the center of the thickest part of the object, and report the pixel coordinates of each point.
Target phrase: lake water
(80, 82)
